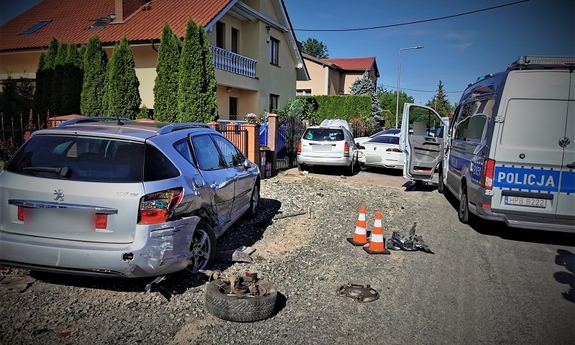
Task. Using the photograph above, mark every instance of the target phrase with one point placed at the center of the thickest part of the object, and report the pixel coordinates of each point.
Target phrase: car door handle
(571, 166)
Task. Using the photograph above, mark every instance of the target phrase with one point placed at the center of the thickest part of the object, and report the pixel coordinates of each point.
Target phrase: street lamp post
(398, 75)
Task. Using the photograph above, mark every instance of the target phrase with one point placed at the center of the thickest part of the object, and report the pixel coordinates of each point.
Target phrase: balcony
(234, 63)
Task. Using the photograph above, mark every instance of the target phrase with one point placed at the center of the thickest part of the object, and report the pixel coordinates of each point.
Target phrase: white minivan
(509, 152)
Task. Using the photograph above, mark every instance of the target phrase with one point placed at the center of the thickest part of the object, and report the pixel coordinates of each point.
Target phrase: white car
(361, 140)
(329, 144)
(382, 151)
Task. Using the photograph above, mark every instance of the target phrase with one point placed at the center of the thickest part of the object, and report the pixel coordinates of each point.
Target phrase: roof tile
(71, 21)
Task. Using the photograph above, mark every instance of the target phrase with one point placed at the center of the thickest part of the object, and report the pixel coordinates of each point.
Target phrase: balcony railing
(234, 63)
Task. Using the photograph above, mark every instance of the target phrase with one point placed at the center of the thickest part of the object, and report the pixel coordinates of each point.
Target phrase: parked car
(507, 155)
(329, 144)
(360, 140)
(381, 151)
(116, 197)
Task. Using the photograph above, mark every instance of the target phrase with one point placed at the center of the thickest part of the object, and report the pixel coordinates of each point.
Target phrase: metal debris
(156, 281)
(359, 293)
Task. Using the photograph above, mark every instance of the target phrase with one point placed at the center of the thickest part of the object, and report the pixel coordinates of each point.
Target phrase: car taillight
(346, 149)
(101, 221)
(488, 173)
(393, 149)
(21, 213)
(155, 208)
(299, 147)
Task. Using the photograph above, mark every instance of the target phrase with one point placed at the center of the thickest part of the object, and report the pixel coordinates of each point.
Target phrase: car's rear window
(81, 158)
(385, 139)
(322, 134)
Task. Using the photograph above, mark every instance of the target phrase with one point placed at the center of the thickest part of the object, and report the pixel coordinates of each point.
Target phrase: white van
(509, 152)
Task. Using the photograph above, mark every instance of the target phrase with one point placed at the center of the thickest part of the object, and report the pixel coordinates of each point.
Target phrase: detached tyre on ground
(240, 308)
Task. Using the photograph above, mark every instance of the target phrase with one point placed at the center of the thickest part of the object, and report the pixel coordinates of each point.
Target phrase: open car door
(422, 141)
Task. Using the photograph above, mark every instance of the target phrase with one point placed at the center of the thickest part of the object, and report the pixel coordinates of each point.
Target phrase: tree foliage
(122, 96)
(16, 96)
(166, 84)
(72, 83)
(440, 103)
(197, 82)
(366, 86)
(387, 101)
(315, 48)
(58, 79)
(47, 83)
(39, 83)
(94, 63)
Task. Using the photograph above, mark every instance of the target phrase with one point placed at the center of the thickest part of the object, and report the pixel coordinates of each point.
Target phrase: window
(235, 40)
(303, 92)
(35, 27)
(233, 109)
(274, 100)
(207, 153)
(183, 148)
(274, 51)
(220, 34)
(232, 156)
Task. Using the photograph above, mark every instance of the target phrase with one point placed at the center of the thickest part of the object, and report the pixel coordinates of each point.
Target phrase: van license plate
(522, 201)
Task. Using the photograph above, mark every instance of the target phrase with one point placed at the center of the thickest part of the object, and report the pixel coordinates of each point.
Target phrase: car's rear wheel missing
(203, 247)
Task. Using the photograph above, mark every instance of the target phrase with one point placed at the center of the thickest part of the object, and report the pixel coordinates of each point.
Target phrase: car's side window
(232, 156)
(183, 148)
(207, 153)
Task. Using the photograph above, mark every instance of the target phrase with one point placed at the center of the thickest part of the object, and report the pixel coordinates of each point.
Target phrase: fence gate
(290, 132)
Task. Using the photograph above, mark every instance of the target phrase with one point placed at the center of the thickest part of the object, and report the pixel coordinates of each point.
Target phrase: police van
(509, 152)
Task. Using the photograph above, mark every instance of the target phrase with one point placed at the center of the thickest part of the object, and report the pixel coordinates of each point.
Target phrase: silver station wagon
(116, 197)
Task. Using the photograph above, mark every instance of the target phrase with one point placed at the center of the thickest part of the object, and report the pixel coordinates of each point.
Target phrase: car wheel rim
(201, 248)
(255, 199)
(463, 204)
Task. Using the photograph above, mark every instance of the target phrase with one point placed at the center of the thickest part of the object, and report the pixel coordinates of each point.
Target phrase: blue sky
(456, 50)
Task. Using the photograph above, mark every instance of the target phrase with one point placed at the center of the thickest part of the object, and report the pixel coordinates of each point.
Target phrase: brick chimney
(124, 8)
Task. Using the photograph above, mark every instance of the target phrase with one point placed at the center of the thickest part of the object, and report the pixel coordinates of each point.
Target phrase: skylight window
(102, 22)
(35, 27)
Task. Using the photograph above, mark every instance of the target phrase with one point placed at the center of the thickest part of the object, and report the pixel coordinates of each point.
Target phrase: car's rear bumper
(312, 161)
(156, 250)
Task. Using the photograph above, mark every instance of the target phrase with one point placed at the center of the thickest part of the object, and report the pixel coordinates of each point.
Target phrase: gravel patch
(300, 241)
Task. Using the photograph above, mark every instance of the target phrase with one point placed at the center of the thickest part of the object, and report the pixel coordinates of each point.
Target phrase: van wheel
(463, 212)
(350, 170)
(203, 247)
(440, 185)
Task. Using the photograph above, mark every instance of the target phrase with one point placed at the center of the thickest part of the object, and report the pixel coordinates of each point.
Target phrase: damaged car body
(122, 198)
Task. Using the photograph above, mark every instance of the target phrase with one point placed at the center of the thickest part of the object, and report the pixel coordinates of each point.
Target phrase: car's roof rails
(183, 125)
(94, 119)
(542, 62)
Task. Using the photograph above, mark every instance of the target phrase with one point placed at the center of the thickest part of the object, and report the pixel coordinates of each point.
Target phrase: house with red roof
(255, 52)
(335, 76)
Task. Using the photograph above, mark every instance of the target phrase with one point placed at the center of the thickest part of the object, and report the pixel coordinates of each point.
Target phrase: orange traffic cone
(376, 243)
(360, 234)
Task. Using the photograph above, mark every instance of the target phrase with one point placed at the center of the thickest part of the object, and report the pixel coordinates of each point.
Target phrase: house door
(233, 108)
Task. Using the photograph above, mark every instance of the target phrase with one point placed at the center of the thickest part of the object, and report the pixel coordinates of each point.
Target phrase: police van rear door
(566, 198)
(528, 155)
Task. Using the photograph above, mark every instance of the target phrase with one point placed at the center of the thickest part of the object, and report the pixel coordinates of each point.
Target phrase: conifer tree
(166, 84)
(189, 85)
(439, 102)
(49, 64)
(58, 79)
(39, 82)
(122, 97)
(197, 82)
(208, 96)
(72, 84)
(94, 65)
(365, 86)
